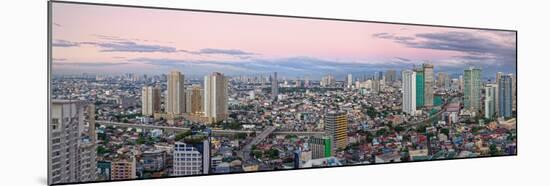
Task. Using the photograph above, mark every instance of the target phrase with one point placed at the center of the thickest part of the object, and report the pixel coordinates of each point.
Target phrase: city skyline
(131, 41)
(148, 93)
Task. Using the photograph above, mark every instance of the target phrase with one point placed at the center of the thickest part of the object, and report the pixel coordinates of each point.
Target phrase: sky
(115, 40)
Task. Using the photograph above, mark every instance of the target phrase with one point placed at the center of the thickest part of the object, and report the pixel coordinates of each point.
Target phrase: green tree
(183, 135)
(493, 150)
(445, 131)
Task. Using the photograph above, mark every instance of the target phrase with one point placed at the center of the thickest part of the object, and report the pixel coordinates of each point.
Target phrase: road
(215, 132)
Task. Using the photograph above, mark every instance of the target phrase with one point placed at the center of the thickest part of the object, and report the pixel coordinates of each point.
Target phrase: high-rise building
(124, 168)
(274, 86)
(191, 157)
(321, 147)
(349, 80)
(472, 89)
(336, 124)
(490, 100)
(505, 95)
(428, 84)
(194, 99)
(391, 76)
(150, 100)
(175, 102)
(419, 87)
(71, 146)
(460, 82)
(497, 80)
(328, 81)
(514, 92)
(409, 92)
(443, 80)
(375, 86)
(215, 97)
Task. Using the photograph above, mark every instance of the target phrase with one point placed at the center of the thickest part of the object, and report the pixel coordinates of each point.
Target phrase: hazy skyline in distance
(114, 40)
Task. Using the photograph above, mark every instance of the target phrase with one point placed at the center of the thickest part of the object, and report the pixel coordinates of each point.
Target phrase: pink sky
(267, 37)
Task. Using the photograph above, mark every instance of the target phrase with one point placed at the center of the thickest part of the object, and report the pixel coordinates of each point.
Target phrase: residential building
(71, 146)
(150, 100)
(409, 92)
(428, 84)
(505, 95)
(194, 100)
(175, 102)
(191, 157)
(123, 169)
(490, 100)
(321, 147)
(336, 124)
(215, 97)
(472, 89)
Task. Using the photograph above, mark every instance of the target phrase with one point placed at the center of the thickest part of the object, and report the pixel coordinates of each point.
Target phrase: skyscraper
(150, 100)
(497, 80)
(328, 81)
(428, 84)
(419, 87)
(442, 80)
(472, 89)
(409, 92)
(505, 95)
(391, 76)
(349, 80)
(274, 86)
(375, 86)
(215, 97)
(175, 103)
(490, 100)
(336, 124)
(194, 99)
(191, 157)
(71, 147)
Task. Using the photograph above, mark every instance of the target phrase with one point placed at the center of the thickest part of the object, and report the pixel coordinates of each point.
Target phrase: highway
(214, 132)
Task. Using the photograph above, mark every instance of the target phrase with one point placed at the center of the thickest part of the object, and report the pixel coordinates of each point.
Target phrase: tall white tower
(409, 92)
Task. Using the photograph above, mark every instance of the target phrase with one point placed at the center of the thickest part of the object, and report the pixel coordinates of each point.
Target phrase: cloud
(130, 46)
(478, 48)
(402, 59)
(224, 51)
(59, 59)
(108, 37)
(64, 43)
(232, 52)
(89, 64)
(293, 66)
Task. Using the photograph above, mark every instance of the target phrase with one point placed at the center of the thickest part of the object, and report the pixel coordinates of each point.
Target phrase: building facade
(215, 97)
(274, 86)
(505, 95)
(150, 100)
(194, 98)
(321, 147)
(71, 145)
(409, 92)
(472, 89)
(336, 124)
(123, 169)
(175, 100)
(490, 101)
(428, 84)
(419, 87)
(191, 158)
